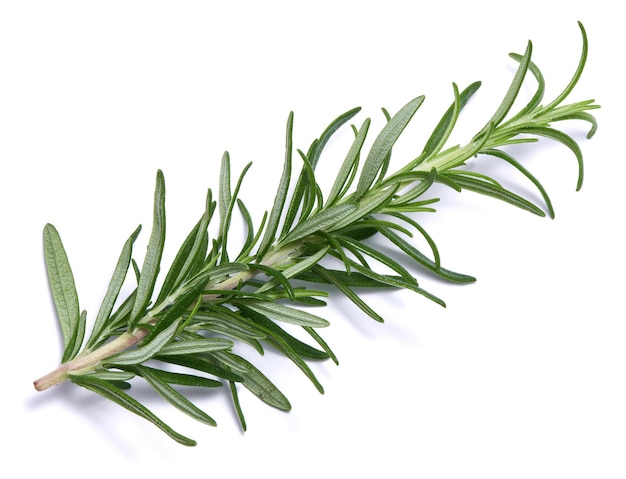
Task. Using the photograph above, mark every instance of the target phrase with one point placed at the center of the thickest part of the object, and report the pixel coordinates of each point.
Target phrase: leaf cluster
(214, 301)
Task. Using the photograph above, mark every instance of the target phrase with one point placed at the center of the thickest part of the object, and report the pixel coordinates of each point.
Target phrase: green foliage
(209, 304)
(61, 280)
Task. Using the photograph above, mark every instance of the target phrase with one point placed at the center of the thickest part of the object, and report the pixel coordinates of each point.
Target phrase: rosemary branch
(209, 302)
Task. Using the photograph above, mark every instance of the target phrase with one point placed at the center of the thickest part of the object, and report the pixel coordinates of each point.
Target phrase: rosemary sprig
(213, 298)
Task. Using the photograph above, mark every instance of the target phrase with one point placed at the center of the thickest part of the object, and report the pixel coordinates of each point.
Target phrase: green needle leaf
(281, 193)
(280, 312)
(349, 165)
(383, 144)
(115, 285)
(180, 379)
(579, 70)
(225, 195)
(109, 391)
(195, 346)
(152, 261)
(175, 398)
(62, 286)
(235, 396)
(351, 295)
(318, 222)
(446, 124)
(565, 140)
(511, 95)
(73, 347)
(259, 385)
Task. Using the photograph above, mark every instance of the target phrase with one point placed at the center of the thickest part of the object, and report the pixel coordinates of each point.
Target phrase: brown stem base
(89, 361)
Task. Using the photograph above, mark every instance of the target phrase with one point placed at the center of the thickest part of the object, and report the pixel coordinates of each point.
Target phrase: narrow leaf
(509, 159)
(541, 87)
(445, 126)
(251, 237)
(175, 398)
(349, 164)
(237, 404)
(73, 347)
(398, 282)
(353, 279)
(319, 222)
(192, 253)
(282, 337)
(259, 385)
(348, 293)
(62, 286)
(330, 131)
(309, 192)
(115, 285)
(579, 70)
(478, 185)
(227, 214)
(109, 391)
(281, 193)
(232, 361)
(511, 95)
(196, 346)
(224, 190)
(383, 144)
(181, 379)
(111, 375)
(280, 312)
(152, 261)
(202, 363)
(564, 139)
(314, 334)
(422, 259)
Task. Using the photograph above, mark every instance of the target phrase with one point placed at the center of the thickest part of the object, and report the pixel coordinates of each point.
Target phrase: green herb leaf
(175, 398)
(179, 378)
(349, 166)
(318, 222)
(195, 346)
(281, 193)
(152, 261)
(109, 391)
(280, 312)
(383, 144)
(511, 95)
(190, 257)
(62, 286)
(259, 385)
(115, 285)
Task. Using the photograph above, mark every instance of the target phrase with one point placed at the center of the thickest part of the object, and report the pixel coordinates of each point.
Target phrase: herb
(213, 298)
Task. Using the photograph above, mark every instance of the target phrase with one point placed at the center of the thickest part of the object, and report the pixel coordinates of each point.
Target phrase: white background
(522, 375)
